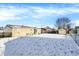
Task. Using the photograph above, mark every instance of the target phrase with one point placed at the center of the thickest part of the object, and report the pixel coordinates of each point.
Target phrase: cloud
(48, 10)
(76, 22)
(39, 12)
(73, 10)
(10, 13)
(13, 12)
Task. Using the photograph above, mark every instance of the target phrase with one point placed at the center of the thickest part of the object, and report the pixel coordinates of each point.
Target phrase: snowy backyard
(39, 45)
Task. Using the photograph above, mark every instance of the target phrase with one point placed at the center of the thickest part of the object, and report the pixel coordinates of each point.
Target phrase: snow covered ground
(39, 45)
(75, 37)
(2, 44)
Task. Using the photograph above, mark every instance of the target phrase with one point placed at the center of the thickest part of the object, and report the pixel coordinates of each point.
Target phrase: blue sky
(37, 14)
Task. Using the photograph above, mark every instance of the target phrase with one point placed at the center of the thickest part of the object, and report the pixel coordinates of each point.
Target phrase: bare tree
(63, 22)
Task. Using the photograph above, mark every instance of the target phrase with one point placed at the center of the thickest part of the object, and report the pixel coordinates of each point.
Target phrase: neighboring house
(20, 30)
(46, 30)
(62, 31)
(43, 30)
(1, 31)
(77, 29)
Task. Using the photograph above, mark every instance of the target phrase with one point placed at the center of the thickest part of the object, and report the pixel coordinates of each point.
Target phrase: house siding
(22, 31)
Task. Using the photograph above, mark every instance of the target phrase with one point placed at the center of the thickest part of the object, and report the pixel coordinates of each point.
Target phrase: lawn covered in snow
(40, 45)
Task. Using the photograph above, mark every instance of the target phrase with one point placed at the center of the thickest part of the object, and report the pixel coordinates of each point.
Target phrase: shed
(62, 31)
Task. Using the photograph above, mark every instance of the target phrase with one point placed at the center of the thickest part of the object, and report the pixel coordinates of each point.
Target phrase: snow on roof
(20, 26)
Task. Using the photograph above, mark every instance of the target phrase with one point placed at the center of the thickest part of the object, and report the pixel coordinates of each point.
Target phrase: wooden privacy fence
(5, 34)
